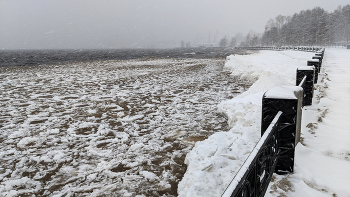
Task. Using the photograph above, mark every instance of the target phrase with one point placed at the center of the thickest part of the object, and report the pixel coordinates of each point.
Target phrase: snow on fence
(298, 48)
(280, 131)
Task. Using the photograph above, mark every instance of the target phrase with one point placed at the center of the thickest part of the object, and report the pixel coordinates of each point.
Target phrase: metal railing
(280, 128)
(278, 48)
(303, 84)
(254, 176)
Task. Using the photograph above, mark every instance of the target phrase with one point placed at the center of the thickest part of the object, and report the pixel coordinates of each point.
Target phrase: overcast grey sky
(75, 24)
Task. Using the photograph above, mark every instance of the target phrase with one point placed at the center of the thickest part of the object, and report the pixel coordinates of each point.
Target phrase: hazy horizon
(118, 24)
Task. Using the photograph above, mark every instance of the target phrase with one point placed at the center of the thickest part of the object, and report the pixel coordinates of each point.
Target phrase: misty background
(109, 24)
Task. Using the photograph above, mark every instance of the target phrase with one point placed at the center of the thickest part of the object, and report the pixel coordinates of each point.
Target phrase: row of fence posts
(297, 48)
(280, 131)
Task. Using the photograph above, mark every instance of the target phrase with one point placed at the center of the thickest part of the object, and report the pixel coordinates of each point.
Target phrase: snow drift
(212, 163)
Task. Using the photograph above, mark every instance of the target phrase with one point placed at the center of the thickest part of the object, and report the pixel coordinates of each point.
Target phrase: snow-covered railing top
(298, 48)
(283, 92)
(302, 83)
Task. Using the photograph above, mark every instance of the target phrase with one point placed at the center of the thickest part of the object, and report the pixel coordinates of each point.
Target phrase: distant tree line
(226, 42)
(310, 27)
(185, 45)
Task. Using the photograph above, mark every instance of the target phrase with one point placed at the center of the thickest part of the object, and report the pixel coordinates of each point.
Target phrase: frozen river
(119, 128)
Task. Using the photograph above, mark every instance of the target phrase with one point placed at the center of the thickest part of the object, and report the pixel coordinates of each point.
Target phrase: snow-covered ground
(107, 127)
(322, 164)
(322, 160)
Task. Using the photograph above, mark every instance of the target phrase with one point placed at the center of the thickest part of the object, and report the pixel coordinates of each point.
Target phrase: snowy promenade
(322, 159)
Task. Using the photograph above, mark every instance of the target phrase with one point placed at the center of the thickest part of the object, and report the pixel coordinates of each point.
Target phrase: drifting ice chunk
(132, 118)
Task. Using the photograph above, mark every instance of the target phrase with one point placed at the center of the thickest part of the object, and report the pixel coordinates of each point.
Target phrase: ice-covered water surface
(108, 127)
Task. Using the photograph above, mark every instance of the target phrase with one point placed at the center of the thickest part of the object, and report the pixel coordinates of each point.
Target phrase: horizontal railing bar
(252, 156)
(301, 84)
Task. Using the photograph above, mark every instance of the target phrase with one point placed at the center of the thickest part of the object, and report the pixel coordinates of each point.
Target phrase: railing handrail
(243, 172)
(302, 83)
(300, 48)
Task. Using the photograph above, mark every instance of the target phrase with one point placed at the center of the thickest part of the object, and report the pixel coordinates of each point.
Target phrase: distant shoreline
(10, 58)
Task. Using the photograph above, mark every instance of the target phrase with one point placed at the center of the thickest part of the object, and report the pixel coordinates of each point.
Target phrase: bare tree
(233, 42)
(223, 42)
(182, 44)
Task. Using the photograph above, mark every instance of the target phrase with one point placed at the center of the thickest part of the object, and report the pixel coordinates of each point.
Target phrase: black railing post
(287, 99)
(308, 86)
(316, 64)
(320, 53)
(319, 58)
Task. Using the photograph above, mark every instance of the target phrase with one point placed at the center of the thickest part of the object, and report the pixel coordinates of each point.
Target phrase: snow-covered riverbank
(212, 163)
